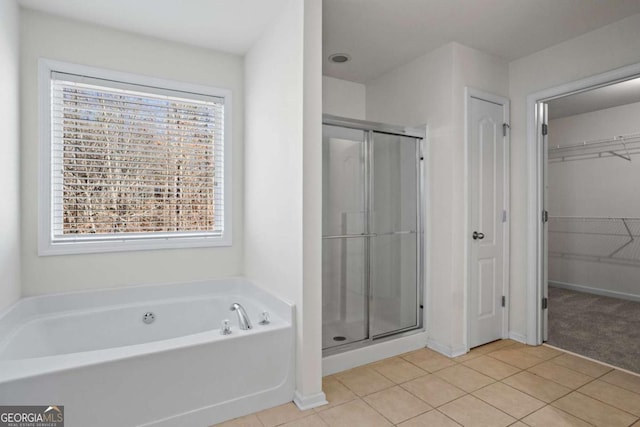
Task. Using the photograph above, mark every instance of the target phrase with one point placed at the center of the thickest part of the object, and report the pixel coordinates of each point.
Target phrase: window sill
(49, 248)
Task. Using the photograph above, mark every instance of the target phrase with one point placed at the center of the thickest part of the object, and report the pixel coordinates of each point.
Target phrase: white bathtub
(92, 352)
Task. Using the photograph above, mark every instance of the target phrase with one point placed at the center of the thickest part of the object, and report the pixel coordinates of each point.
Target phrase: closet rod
(622, 146)
(625, 139)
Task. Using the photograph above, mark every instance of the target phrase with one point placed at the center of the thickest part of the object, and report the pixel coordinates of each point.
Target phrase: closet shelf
(622, 146)
(613, 240)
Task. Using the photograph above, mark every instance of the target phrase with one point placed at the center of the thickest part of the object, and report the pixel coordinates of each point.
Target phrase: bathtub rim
(128, 305)
(232, 280)
(17, 369)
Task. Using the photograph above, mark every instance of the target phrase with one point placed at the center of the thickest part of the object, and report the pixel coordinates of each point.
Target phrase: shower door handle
(349, 236)
(477, 236)
(397, 233)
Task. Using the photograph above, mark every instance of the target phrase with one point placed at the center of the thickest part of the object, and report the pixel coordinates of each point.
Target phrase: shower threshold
(332, 346)
(342, 358)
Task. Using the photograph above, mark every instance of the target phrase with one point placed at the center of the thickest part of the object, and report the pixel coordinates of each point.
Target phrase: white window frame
(46, 243)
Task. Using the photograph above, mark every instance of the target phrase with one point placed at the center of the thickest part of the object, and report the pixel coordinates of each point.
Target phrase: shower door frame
(420, 135)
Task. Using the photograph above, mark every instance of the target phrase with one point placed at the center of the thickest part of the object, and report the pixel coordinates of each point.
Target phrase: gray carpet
(602, 328)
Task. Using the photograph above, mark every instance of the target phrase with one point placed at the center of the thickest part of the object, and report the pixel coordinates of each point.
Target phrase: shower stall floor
(333, 332)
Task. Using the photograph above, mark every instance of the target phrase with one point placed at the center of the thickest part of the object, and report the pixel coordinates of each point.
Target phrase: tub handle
(226, 327)
(265, 319)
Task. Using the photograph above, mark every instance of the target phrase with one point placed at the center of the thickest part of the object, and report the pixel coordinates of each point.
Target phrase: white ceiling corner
(225, 25)
(615, 95)
(380, 35)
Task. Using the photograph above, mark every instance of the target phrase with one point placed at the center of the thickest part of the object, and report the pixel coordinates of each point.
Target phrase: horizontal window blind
(131, 161)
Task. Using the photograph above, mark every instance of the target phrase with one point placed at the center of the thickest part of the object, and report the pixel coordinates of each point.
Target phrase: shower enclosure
(372, 232)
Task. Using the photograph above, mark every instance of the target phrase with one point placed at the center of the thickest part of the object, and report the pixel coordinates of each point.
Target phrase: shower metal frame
(420, 135)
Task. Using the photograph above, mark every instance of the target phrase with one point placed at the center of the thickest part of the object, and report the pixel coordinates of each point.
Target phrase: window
(130, 162)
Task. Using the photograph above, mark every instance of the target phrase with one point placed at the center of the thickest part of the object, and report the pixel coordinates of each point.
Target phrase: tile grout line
(466, 393)
(524, 392)
(591, 379)
(495, 381)
(608, 365)
(510, 364)
(382, 415)
(429, 372)
(577, 390)
(608, 404)
(435, 409)
(575, 370)
(455, 363)
(557, 409)
(419, 376)
(432, 406)
(431, 410)
(512, 416)
(471, 367)
(611, 384)
(573, 390)
(533, 373)
(487, 403)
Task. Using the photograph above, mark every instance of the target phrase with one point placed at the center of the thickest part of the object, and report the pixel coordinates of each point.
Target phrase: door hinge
(505, 126)
(504, 301)
(504, 216)
(545, 129)
(545, 303)
(545, 216)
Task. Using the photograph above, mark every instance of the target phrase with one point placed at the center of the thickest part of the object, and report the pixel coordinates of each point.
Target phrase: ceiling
(383, 34)
(623, 93)
(379, 35)
(226, 25)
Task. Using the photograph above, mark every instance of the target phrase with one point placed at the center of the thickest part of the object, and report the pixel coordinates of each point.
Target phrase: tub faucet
(243, 319)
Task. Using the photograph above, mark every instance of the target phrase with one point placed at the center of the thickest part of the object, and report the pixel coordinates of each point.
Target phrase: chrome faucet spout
(243, 318)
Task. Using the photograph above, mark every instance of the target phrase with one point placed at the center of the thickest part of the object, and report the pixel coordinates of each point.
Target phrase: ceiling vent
(339, 58)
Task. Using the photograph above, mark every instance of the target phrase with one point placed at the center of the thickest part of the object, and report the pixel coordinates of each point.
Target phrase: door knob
(477, 236)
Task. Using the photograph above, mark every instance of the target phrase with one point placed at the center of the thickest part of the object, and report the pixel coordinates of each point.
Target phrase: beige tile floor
(504, 383)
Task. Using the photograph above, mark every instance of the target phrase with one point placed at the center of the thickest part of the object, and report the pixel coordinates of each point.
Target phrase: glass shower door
(394, 220)
(344, 245)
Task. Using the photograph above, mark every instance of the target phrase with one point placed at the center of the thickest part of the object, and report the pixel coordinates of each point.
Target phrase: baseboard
(595, 291)
(445, 349)
(309, 402)
(518, 337)
(381, 350)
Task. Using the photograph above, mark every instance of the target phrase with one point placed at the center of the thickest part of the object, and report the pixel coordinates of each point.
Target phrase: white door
(487, 145)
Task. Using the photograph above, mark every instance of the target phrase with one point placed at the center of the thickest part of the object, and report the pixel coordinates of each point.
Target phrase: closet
(606, 239)
(593, 233)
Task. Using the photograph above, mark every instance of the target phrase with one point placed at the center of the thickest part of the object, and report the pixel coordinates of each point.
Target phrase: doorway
(586, 139)
(487, 118)
(372, 233)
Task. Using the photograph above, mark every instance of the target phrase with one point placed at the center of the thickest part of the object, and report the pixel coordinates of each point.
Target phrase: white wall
(604, 49)
(283, 174)
(343, 98)
(66, 40)
(309, 380)
(430, 90)
(605, 187)
(9, 153)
